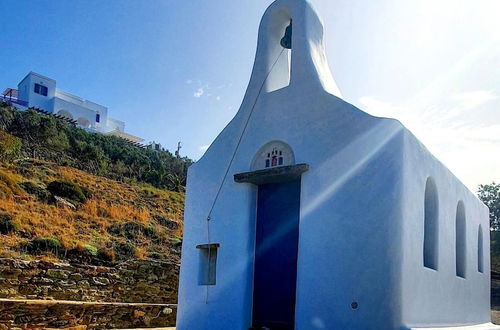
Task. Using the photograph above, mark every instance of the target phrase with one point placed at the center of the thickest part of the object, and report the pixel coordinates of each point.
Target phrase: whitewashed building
(308, 213)
(40, 92)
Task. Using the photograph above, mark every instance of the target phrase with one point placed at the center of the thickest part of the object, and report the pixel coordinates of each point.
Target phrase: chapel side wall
(233, 226)
(439, 297)
(350, 243)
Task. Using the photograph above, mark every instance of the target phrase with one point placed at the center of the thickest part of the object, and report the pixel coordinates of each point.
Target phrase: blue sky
(177, 70)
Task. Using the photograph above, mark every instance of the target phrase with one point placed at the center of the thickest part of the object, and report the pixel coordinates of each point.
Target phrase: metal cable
(230, 164)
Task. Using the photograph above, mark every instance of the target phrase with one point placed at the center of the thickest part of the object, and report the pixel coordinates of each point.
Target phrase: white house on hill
(308, 213)
(40, 92)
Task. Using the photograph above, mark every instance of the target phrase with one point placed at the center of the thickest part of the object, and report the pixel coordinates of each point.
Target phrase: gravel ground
(495, 316)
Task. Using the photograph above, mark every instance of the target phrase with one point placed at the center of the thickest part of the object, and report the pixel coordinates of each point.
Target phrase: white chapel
(308, 213)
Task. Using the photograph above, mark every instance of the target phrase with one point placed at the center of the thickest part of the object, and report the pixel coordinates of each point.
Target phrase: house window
(431, 225)
(208, 264)
(97, 118)
(460, 241)
(480, 255)
(42, 90)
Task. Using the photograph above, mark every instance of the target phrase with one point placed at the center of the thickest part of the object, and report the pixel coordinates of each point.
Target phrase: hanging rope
(208, 257)
(230, 164)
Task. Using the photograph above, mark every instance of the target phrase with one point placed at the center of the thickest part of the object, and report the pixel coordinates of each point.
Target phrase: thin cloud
(468, 150)
(471, 100)
(206, 90)
(199, 92)
(203, 148)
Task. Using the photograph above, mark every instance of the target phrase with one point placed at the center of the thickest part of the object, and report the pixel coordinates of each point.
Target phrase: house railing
(15, 100)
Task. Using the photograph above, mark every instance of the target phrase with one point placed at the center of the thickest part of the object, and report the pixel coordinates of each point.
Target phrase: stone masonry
(137, 281)
(41, 294)
(43, 314)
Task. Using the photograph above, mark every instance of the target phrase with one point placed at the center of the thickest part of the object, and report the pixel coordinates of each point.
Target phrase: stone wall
(43, 314)
(136, 281)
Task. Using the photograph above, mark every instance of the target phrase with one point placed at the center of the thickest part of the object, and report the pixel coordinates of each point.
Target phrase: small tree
(10, 147)
(490, 195)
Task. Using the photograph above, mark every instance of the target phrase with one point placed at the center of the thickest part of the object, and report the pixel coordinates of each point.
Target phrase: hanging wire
(229, 167)
(242, 134)
(208, 258)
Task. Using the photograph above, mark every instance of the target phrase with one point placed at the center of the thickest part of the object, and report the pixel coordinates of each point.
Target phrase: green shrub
(149, 192)
(7, 223)
(156, 256)
(90, 250)
(166, 222)
(107, 255)
(69, 190)
(42, 194)
(133, 230)
(125, 251)
(176, 241)
(42, 244)
(85, 253)
(150, 232)
(495, 242)
(115, 229)
(10, 147)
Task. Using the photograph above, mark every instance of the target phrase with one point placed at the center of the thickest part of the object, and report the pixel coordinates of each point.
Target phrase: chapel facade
(308, 213)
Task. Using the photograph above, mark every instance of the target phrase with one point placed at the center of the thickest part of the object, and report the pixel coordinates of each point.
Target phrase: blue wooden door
(275, 273)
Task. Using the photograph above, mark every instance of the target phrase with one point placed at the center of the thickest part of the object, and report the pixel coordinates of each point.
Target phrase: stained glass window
(274, 158)
(272, 154)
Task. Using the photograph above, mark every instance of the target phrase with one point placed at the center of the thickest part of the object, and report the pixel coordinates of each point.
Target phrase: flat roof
(38, 75)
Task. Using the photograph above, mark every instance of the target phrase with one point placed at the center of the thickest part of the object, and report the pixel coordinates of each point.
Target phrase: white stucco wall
(361, 204)
(114, 124)
(57, 100)
(439, 297)
(78, 111)
(27, 93)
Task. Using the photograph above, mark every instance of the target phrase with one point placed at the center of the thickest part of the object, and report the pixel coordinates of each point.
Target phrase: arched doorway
(276, 240)
(83, 122)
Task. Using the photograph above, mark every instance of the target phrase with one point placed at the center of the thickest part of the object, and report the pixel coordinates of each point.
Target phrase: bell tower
(291, 49)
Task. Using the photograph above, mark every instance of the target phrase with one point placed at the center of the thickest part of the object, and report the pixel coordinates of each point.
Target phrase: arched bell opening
(279, 50)
(291, 50)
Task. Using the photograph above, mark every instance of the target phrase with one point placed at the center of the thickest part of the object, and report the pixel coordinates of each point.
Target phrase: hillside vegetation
(44, 137)
(93, 219)
(68, 194)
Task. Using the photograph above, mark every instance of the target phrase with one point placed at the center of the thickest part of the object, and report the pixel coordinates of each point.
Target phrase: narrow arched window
(480, 254)
(460, 241)
(431, 225)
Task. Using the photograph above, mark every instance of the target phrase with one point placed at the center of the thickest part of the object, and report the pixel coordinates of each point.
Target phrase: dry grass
(112, 203)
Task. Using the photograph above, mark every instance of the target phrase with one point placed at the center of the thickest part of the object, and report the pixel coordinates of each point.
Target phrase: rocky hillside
(54, 212)
(72, 195)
